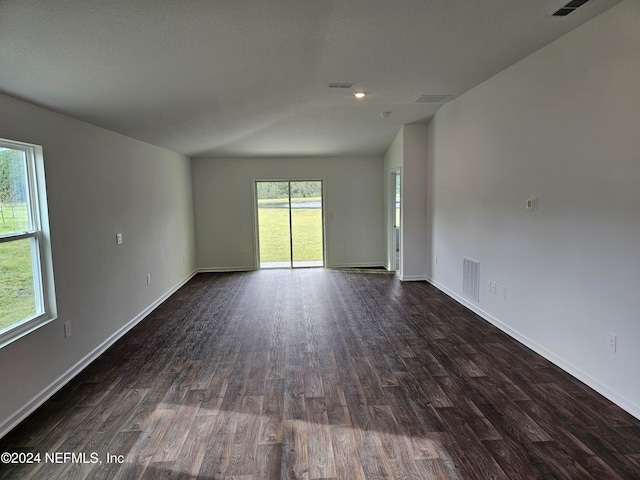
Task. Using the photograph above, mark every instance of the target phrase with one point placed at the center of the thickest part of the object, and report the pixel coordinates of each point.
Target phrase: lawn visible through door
(290, 224)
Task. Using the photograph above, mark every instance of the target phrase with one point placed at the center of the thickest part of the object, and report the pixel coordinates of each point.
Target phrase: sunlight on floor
(185, 440)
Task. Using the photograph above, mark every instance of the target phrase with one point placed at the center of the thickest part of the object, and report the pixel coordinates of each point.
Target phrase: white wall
(408, 153)
(561, 125)
(414, 203)
(393, 160)
(224, 208)
(98, 183)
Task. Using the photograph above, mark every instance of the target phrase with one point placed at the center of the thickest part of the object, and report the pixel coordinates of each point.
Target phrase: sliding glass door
(290, 224)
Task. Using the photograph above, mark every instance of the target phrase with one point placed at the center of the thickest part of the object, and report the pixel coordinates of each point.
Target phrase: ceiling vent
(341, 85)
(432, 98)
(569, 8)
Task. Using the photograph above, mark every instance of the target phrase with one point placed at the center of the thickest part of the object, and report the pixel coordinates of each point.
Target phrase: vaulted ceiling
(250, 77)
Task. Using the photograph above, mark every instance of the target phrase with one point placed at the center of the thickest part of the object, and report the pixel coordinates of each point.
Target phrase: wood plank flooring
(322, 374)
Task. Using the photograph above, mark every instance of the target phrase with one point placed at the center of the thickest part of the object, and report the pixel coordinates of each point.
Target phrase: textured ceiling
(249, 77)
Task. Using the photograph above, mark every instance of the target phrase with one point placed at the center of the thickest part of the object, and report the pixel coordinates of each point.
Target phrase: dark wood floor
(321, 374)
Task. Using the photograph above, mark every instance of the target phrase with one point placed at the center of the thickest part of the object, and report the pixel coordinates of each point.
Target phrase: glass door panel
(306, 224)
(274, 232)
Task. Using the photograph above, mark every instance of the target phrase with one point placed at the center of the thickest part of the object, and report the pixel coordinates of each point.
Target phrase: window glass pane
(17, 299)
(14, 193)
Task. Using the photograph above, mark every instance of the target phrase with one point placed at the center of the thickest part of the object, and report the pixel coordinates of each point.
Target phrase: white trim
(21, 329)
(12, 237)
(226, 269)
(66, 377)
(252, 268)
(395, 174)
(413, 278)
(357, 265)
(622, 402)
(38, 232)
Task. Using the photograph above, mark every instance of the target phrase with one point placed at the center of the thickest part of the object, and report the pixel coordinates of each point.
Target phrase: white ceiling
(249, 77)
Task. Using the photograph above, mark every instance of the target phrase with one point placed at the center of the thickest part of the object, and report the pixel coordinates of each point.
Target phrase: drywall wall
(414, 203)
(98, 184)
(408, 153)
(561, 125)
(393, 160)
(224, 208)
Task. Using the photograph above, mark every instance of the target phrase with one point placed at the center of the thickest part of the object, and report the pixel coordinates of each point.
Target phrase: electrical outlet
(118, 239)
(613, 342)
(494, 287)
(67, 329)
(148, 279)
(504, 292)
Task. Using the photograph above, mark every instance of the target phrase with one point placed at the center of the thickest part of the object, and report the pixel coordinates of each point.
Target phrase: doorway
(290, 223)
(395, 225)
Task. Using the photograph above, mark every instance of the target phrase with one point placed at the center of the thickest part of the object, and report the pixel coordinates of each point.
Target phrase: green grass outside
(273, 224)
(16, 277)
(307, 234)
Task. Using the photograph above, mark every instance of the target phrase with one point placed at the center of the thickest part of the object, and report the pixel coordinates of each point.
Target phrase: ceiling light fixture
(359, 94)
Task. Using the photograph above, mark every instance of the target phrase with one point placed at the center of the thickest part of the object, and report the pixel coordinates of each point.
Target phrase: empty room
(302, 239)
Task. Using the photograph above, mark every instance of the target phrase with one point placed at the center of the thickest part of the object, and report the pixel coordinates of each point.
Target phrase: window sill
(24, 328)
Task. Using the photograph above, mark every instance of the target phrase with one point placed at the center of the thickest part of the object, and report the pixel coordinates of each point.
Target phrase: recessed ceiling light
(359, 94)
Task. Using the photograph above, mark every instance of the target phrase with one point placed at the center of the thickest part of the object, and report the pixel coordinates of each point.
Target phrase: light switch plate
(532, 203)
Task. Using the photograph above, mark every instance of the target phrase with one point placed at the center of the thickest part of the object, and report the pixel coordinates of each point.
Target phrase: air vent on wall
(431, 98)
(471, 279)
(341, 85)
(569, 8)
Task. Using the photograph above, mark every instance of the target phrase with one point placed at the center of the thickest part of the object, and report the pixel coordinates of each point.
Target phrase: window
(26, 280)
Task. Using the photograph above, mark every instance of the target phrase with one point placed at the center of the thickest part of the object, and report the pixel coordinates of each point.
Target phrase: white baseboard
(226, 269)
(623, 403)
(66, 377)
(356, 265)
(413, 278)
(252, 267)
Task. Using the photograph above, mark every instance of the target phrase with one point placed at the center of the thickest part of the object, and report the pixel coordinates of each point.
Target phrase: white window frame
(38, 233)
